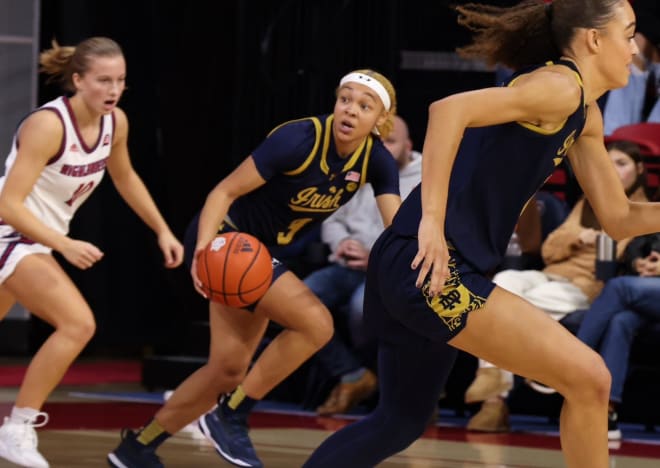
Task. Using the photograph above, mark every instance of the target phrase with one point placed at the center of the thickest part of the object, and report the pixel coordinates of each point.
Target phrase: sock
(23, 414)
(240, 402)
(152, 435)
(353, 376)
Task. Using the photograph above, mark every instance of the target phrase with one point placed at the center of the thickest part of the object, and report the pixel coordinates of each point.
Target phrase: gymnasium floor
(85, 421)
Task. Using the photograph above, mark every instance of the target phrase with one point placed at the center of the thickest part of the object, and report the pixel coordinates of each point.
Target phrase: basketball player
(303, 172)
(58, 157)
(486, 153)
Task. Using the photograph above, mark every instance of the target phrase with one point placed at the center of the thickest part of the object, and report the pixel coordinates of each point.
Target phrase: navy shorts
(397, 311)
(190, 241)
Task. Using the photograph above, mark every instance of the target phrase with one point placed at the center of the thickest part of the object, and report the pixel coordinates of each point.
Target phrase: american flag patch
(352, 176)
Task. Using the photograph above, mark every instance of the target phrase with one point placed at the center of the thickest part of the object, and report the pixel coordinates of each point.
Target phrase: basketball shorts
(190, 241)
(396, 311)
(13, 249)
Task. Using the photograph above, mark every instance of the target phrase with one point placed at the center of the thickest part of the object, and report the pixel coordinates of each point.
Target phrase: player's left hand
(171, 248)
(193, 272)
(432, 255)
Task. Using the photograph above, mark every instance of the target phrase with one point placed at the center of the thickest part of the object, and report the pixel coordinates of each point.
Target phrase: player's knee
(323, 328)
(601, 379)
(227, 372)
(81, 329)
(592, 380)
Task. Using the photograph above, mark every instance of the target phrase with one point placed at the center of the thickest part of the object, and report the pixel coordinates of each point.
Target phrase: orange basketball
(235, 269)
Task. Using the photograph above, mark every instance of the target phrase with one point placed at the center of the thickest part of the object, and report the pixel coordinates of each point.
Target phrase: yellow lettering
(304, 196)
(568, 142)
(310, 200)
(285, 238)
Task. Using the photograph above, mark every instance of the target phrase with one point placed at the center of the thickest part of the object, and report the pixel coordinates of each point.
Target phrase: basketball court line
(528, 431)
(287, 448)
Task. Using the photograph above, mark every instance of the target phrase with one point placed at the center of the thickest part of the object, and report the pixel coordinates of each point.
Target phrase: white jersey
(70, 175)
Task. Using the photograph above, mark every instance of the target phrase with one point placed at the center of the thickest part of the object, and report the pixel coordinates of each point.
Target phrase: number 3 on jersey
(285, 238)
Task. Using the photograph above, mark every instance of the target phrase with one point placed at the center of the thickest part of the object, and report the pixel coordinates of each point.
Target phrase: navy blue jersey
(496, 171)
(307, 181)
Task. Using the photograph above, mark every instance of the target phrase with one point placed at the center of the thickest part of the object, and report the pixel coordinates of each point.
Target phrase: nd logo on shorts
(454, 300)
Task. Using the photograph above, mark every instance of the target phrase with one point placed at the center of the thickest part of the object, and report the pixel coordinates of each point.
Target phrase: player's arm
(388, 204)
(39, 138)
(132, 189)
(284, 149)
(619, 217)
(542, 97)
(244, 179)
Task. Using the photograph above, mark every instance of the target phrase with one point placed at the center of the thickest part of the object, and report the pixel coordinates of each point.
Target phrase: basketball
(235, 269)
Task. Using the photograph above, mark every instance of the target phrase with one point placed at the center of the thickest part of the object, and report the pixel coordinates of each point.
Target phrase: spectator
(638, 100)
(626, 304)
(350, 232)
(524, 249)
(567, 283)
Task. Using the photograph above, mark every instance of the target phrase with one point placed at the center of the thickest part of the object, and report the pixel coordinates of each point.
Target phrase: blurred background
(206, 81)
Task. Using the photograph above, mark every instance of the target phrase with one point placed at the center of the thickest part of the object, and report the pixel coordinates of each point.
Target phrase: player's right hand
(81, 254)
(432, 255)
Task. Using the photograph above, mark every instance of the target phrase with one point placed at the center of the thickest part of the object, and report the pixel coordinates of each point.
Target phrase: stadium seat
(646, 135)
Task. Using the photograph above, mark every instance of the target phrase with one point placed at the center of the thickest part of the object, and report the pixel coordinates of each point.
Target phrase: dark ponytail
(530, 32)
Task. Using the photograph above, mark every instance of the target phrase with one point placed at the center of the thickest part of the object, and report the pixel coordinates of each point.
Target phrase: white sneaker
(18, 442)
(192, 430)
(539, 387)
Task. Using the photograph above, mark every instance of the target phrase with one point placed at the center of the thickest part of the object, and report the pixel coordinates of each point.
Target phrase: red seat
(558, 177)
(646, 135)
(556, 183)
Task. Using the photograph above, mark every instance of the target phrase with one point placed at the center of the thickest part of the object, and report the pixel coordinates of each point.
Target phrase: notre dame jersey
(307, 181)
(496, 171)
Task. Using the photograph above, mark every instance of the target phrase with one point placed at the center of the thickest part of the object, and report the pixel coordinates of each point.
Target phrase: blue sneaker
(228, 431)
(132, 454)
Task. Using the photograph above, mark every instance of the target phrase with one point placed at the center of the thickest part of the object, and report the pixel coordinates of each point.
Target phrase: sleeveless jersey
(70, 176)
(307, 181)
(496, 171)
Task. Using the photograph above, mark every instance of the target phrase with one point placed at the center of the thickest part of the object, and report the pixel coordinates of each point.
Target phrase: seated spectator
(638, 100)
(524, 249)
(350, 232)
(626, 305)
(567, 283)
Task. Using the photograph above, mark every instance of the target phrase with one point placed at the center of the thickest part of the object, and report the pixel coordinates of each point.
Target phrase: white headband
(371, 83)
